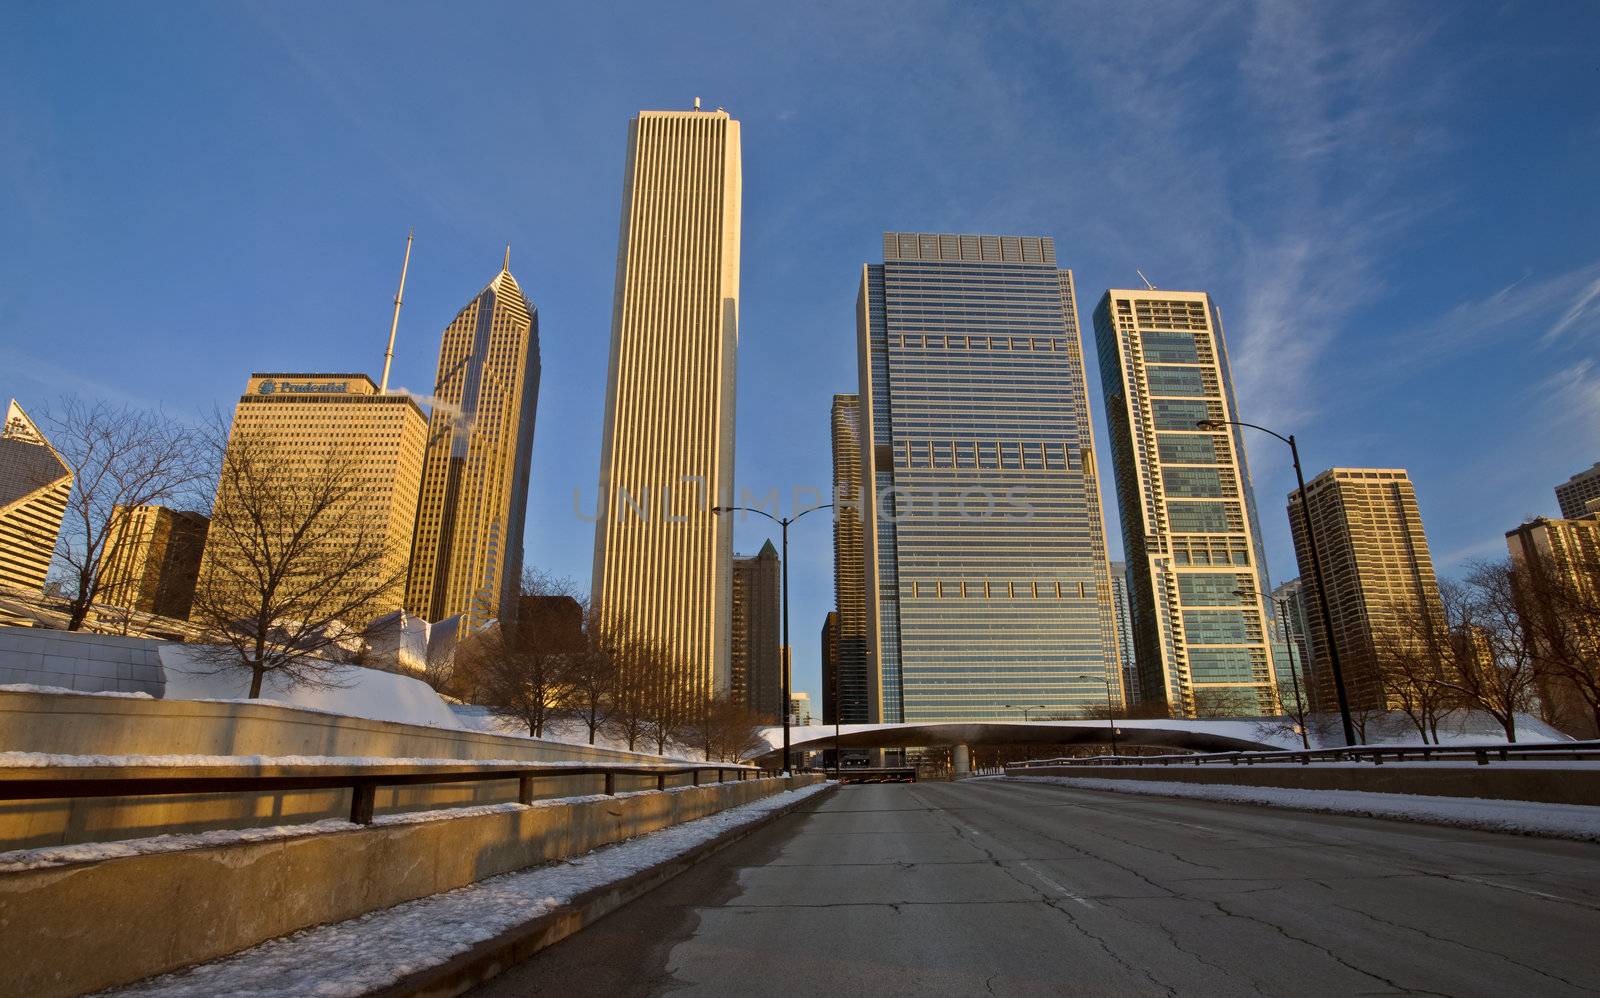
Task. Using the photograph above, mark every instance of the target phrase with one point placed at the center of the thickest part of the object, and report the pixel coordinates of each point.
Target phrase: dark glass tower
(988, 588)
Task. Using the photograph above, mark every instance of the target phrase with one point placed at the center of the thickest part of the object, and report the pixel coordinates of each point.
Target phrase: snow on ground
(377, 949)
(1565, 821)
(358, 692)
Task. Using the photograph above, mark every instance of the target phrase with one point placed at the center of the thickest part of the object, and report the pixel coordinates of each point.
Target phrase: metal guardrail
(32, 783)
(1483, 755)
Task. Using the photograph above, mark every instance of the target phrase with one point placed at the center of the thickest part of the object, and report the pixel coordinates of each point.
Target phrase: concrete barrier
(112, 725)
(86, 926)
(1500, 781)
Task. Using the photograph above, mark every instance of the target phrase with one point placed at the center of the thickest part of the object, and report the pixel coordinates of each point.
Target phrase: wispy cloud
(1564, 303)
(1581, 314)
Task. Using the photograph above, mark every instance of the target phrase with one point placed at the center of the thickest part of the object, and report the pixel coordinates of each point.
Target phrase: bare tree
(724, 729)
(592, 675)
(293, 566)
(1560, 608)
(1493, 652)
(121, 458)
(1225, 702)
(522, 667)
(1412, 659)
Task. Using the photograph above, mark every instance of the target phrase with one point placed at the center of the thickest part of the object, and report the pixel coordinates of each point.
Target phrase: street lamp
(1316, 569)
(782, 522)
(1111, 708)
(1294, 676)
(1025, 710)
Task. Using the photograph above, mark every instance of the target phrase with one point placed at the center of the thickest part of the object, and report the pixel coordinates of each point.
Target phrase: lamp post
(1025, 710)
(1316, 569)
(1294, 676)
(1111, 707)
(783, 523)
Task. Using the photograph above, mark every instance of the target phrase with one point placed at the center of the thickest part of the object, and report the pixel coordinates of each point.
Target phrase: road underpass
(990, 887)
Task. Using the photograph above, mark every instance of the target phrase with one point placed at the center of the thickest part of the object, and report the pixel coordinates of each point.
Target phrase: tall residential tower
(1189, 527)
(1381, 586)
(467, 555)
(849, 648)
(662, 558)
(986, 574)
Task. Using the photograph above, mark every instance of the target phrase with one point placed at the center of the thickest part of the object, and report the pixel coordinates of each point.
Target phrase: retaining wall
(110, 725)
(86, 926)
(1550, 784)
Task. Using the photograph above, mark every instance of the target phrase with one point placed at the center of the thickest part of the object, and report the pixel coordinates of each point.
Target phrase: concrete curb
(492, 957)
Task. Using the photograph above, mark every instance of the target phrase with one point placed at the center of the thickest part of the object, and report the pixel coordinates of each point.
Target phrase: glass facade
(989, 588)
(1196, 576)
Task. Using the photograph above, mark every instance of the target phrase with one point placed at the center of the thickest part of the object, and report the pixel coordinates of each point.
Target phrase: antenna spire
(507, 265)
(394, 324)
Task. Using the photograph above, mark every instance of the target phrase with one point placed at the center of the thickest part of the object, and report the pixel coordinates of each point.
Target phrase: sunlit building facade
(35, 484)
(466, 557)
(317, 424)
(1196, 579)
(1576, 493)
(1381, 585)
(663, 559)
(151, 560)
(986, 572)
(1563, 555)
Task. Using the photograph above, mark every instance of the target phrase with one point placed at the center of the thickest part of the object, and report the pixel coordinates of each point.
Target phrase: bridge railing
(1482, 755)
(363, 779)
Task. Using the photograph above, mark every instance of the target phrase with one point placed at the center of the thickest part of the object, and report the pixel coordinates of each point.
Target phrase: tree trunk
(256, 672)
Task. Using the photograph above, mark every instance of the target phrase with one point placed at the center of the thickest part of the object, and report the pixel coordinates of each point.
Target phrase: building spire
(394, 324)
(507, 265)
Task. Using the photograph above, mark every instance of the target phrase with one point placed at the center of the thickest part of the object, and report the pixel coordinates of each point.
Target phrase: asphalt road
(984, 887)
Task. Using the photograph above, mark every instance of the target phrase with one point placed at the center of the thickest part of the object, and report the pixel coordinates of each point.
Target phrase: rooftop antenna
(394, 324)
(1147, 285)
(697, 103)
(507, 265)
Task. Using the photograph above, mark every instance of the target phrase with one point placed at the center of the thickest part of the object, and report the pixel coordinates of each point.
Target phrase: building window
(1187, 449)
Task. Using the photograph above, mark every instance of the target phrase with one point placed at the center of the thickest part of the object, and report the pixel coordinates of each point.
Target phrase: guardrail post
(1377, 758)
(1305, 758)
(661, 781)
(719, 776)
(611, 784)
(525, 789)
(363, 797)
(1482, 756)
(696, 775)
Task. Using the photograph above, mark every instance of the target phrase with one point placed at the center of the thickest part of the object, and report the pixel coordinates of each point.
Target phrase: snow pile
(28, 760)
(1564, 821)
(355, 692)
(394, 942)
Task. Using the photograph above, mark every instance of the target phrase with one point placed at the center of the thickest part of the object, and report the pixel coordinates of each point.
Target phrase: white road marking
(1508, 887)
(1051, 883)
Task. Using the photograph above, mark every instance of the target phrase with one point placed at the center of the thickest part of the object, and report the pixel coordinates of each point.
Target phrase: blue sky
(1394, 204)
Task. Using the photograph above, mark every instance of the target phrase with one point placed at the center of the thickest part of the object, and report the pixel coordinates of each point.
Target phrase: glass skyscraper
(1196, 577)
(988, 588)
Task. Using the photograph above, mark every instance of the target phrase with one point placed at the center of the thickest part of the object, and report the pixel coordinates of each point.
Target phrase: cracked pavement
(989, 887)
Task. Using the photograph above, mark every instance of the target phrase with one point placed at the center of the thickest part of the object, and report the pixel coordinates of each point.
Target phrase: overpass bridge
(1225, 735)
